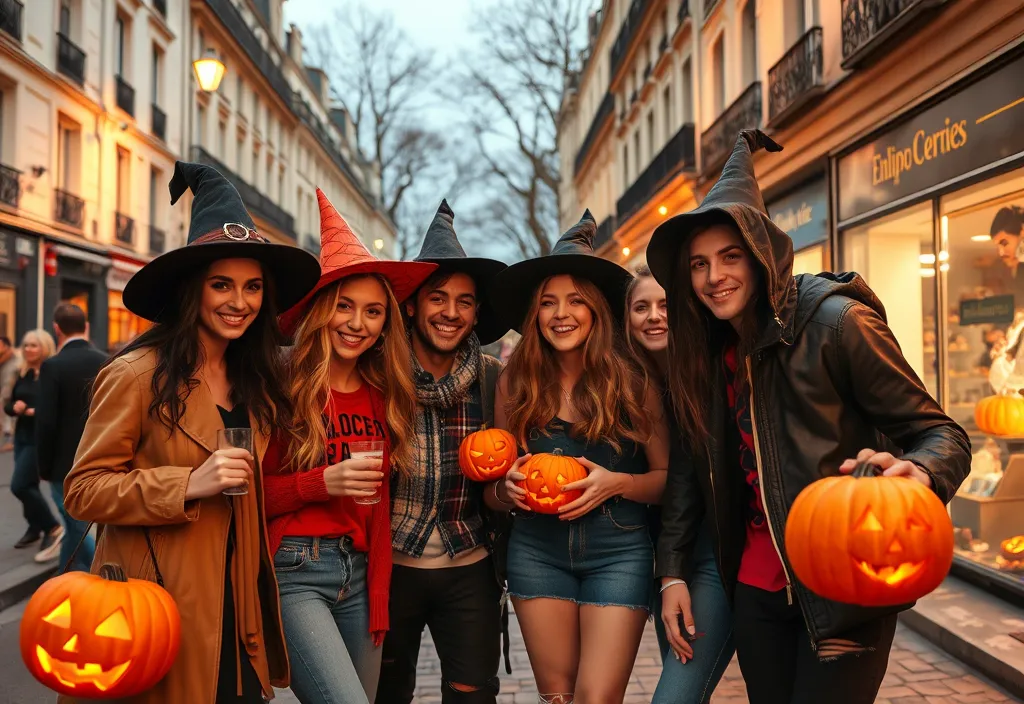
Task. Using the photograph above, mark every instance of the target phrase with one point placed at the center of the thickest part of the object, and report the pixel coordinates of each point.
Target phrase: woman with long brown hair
(328, 510)
(580, 580)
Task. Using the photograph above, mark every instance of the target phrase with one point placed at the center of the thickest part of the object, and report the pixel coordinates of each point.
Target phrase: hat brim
(669, 236)
(513, 289)
(490, 326)
(152, 292)
(404, 278)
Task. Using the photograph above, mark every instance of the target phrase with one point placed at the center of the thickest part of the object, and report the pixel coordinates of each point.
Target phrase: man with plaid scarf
(447, 547)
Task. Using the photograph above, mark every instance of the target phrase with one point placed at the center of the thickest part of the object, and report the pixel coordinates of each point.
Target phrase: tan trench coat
(128, 473)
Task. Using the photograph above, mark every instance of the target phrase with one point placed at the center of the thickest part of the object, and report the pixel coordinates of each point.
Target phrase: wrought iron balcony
(797, 78)
(235, 24)
(307, 117)
(683, 12)
(627, 34)
(10, 186)
(159, 123)
(709, 7)
(604, 111)
(70, 59)
(257, 203)
(868, 25)
(717, 141)
(632, 97)
(124, 229)
(125, 96)
(161, 7)
(69, 208)
(678, 155)
(10, 17)
(663, 44)
(157, 240)
(604, 232)
(647, 71)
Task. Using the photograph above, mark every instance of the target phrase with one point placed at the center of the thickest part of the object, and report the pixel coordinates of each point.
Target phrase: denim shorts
(604, 558)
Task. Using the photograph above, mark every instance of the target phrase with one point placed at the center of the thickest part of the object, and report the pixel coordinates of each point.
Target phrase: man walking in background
(65, 381)
(8, 368)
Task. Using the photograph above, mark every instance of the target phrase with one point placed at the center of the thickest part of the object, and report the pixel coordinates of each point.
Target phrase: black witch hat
(441, 246)
(572, 254)
(735, 198)
(220, 229)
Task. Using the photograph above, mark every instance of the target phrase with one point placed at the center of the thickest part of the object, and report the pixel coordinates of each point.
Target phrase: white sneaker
(50, 547)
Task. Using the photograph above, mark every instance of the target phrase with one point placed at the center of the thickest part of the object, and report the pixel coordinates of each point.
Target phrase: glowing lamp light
(209, 71)
(981, 238)
(378, 244)
(625, 251)
(663, 211)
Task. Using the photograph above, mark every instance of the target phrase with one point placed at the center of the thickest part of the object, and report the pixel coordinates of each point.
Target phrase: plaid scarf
(437, 493)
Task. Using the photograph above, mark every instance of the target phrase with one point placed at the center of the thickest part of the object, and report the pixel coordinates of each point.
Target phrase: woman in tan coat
(148, 468)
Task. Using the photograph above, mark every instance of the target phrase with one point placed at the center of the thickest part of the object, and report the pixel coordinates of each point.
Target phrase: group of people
(700, 395)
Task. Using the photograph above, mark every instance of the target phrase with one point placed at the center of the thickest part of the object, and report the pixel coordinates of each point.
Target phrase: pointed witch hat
(735, 198)
(343, 254)
(572, 254)
(220, 229)
(441, 246)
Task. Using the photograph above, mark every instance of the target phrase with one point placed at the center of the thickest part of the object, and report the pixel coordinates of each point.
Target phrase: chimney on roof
(294, 41)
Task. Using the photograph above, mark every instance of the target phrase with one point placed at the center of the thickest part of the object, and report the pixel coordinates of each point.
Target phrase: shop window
(79, 294)
(810, 260)
(891, 254)
(123, 326)
(983, 226)
(9, 312)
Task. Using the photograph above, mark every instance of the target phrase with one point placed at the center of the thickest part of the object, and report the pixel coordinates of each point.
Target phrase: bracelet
(498, 498)
(671, 583)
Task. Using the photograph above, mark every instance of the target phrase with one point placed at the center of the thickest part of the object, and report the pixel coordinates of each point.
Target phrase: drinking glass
(235, 437)
(368, 450)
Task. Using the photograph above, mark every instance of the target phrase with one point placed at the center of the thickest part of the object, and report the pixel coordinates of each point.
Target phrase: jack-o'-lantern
(487, 454)
(100, 637)
(1000, 415)
(869, 540)
(1013, 548)
(546, 474)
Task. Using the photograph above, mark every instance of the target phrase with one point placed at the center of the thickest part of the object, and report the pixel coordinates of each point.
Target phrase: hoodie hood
(815, 288)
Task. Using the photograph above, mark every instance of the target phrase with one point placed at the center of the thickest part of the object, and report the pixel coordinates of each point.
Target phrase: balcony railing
(717, 141)
(233, 21)
(307, 117)
(632, 97)
(256, 202)
(125, 96)
(709, 7)
(10, 17)
(604, 111)
(683, 12)
(797, 77)
(663, 44)
(647, 71)
(161, 7)
(10, 186)
(157, 240)
(159, 123)
(69, 209)
(869, 24)
(124, 229)
(70, 59)
(627, 34)
(604, 232)
(678, 155)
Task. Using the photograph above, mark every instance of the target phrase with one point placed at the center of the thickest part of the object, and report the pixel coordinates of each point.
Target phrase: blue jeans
(73, 532)
(326, 613)
(694, 682)
(25, 486)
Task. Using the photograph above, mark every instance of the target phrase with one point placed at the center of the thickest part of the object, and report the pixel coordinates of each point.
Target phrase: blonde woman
(36, 347)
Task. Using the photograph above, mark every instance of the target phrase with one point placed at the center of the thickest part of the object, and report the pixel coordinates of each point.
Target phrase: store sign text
(925, 147)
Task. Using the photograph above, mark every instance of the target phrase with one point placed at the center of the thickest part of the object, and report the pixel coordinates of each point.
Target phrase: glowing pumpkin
(546, 474)
(1000, 415)
(869, 540)
(487, 455)
(1013, 548)
(100, 637)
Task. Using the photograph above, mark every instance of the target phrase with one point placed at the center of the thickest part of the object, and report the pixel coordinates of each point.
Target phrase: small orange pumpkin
(1013, 548)
(546, 474)
(100, 636)
(1002, 414)
(869, 540)
(487, 454)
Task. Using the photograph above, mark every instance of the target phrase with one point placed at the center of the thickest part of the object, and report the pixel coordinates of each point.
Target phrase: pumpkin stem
(863, 469)
(113, 573)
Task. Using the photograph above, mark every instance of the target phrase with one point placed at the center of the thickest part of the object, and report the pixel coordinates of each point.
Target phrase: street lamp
(209, 71)
(378, 244)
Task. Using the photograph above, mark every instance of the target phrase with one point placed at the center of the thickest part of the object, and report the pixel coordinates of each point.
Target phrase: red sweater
(298, 504)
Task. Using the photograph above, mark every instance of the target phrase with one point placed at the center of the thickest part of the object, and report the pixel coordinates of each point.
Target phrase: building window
(124, 162)
(666, 101)
(718, 75)
(222, 140)
(68, 154)
(795, 21)
(65, 18)
(625, 166)
(687, 93)
(158, 60)
(280, 186)
(749, 42)
(636, 152)
(201, 126)
(239, 151)
(650, 135)
(120, 49)
(154, 199)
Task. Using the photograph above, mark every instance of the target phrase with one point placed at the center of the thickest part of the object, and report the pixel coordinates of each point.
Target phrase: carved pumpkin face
(487, 455)
(546, 474)
(100, 637)
(872, 541)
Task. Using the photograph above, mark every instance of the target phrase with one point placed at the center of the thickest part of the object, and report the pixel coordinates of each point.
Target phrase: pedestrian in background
(61, 411)
(9, 361)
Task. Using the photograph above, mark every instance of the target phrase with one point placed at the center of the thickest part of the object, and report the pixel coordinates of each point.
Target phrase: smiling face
(444, 313)
(563, 318)
(359, 316)
(31, 350)
(648, 314)
(723, 272)
(231, 299)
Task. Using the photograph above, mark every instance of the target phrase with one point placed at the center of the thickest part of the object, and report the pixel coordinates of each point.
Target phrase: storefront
(19, 276)
(931, 212)
(803, 213)
(77, 275)
(122, 324)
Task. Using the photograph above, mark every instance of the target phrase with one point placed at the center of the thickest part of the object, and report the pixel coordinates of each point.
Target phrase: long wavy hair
(387, 367)
(253, 361)
(609, 395)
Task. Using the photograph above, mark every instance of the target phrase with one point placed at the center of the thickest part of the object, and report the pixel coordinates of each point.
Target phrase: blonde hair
(44, 340)
(387, 367)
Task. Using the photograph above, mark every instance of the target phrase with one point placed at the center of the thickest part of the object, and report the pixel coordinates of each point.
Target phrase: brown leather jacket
(129, 473)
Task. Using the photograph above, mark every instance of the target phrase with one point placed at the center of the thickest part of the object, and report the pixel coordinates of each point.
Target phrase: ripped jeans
(326, 613)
